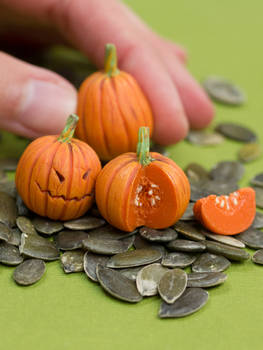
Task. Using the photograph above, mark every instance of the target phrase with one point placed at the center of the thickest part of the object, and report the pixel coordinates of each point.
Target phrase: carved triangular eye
(60, 176)
(86, 174)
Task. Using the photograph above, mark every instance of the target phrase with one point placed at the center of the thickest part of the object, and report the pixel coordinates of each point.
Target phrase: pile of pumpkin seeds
(143, 263)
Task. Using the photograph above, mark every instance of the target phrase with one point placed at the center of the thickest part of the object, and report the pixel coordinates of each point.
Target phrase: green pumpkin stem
(143, 146)
(69, 129)
(110, 63)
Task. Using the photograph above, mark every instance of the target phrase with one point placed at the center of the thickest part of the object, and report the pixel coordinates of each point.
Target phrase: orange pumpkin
(111, 108)
(146, 188)
(56, 175)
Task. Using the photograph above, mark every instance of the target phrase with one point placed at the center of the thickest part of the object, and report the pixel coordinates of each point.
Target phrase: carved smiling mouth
(77, 199)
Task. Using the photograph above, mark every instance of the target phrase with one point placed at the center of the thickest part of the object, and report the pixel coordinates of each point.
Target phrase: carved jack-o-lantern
(56, 175)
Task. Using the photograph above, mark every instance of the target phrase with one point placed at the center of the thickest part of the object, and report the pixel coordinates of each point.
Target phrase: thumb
(33, 100)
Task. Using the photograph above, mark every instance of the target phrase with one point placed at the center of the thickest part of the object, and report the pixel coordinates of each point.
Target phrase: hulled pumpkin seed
(91, 261)
(227, 171)
(257, 180)
(38, 247)
(206, 279)
(131, 272)
(188, 214)
(192, 300)
(236, 132)
(107, 246)
(183, 245)
(229, 252)
(29, 272)
(178, 259)
(258, 221)
(70, 240)
(191, 230)
(252, 238)
(25, 225)
(204, 138)
(257, 258)
(14, 237)
(135, 257)
(47, 226)
(259, 196)
(148, 279)
(72, 261)
(5, 232)
(208, 262)
(8, 210)
(165, 235)
(172, 285)
(249, 152)
(224, 239)
(84, 223)
(118, 285)
(196, 173)
(9, 254)
(223, 91)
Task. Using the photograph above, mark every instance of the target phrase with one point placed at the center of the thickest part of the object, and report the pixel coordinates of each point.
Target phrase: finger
(179, 51)
(33, 101)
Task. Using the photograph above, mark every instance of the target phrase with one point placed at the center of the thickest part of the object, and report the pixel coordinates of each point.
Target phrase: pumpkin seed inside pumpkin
(29, 272)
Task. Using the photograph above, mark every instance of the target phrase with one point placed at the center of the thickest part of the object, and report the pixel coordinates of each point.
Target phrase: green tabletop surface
(71, 312)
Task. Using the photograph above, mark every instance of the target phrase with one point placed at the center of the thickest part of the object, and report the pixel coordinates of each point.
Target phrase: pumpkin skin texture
(130, 194)
(56, 178)
(111, 108)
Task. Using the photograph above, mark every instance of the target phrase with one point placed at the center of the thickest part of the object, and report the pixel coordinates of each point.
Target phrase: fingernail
(45, 106)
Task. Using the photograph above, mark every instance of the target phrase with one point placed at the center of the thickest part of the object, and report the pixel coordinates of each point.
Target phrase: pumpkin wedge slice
(227, 215)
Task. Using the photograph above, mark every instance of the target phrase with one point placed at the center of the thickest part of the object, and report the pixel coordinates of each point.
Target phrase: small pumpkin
(56, 175)
(111, 108)
(146, 188)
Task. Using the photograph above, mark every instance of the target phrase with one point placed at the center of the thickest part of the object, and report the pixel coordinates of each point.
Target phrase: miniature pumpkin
(111, 108)
(227, 215)
(56, 175)
(146, 188)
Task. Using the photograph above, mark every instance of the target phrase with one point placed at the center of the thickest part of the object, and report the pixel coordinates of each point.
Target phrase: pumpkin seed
(8, 211)
(196, 173)
(25, 225)
(70, 240)
(9, 254)
(172, 285)
(84, 223)
(29, 272)
(204, 138)
(224, 239)
(205, 279)
(236, 132)
(188, 214)
(46, 226)
(165, 235)
(14, 237)
(8, 187)
(259, 196)
(227, 171)
(249, 152)
(252, 238)
(38, 247)
(133, 258)
(72, 261)
(219, 187)
(118, 285)
(223, 91)
(191, 230)
(148, 278)
(94, 211)
(258, 221)
(257, 258)
(197, 193)
(5, 232)
(227, 251)
(107, 246)
(91, 261)
(192, 300)
(109, 232)
(208, 262)
(257, 180)
(184, 245)
(22, 210)
(141, 243)
(178, 259)
(131, 272)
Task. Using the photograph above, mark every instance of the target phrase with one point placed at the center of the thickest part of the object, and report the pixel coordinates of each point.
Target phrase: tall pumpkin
(56, 175)
(112, 108)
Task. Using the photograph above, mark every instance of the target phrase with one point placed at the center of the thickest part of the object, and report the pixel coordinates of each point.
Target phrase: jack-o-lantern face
(57, 179)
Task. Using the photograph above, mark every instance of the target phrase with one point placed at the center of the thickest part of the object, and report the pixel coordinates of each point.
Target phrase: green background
(69, 311)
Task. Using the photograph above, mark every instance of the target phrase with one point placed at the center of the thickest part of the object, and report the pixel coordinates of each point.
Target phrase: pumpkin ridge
(104, 134)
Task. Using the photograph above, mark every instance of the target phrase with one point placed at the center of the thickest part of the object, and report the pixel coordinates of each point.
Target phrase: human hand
(35, 101)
